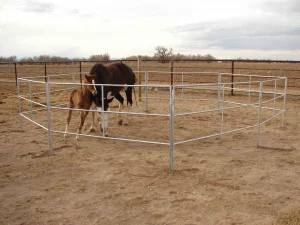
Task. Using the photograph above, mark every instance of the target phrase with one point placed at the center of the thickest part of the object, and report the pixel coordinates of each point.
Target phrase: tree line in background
(161, 54)
(47, 58)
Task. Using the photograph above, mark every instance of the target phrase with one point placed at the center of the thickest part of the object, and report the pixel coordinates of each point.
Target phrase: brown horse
(115, 74)
(81, 99)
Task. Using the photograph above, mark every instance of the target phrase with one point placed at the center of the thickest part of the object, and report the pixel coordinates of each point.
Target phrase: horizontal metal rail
(179, 73)
(251, 90)
(40, 93)
(37, 110)
(282, 111)
(37, 103)
(251, 75)
(214, 135)
(113, 138)
(53, 75)
(183, 99)
(227, 132)
(111, 112)
(21, 114)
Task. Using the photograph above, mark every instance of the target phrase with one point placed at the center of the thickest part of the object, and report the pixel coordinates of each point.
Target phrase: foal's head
(90, 79)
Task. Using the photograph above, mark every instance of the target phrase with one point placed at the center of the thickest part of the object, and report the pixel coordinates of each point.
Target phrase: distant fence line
(170, 65)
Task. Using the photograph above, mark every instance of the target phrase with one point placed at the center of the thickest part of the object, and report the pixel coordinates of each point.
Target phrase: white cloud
(225, 29)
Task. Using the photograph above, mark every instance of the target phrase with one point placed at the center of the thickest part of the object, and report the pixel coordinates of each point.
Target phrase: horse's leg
(104, 119)
(121, 101)
(129, 100)
(92, 128)
(69, 116)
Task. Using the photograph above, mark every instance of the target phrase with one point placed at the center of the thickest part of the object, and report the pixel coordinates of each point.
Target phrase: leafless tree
(163, 54)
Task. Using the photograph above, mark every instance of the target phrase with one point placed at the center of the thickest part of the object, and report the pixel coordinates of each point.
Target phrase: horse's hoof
(92, 130)
(120, 122)
(105, 134)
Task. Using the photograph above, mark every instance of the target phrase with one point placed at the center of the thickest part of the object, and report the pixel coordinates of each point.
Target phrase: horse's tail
(135, 97)
(71, 99)
(134, 82)
(133, 75)
(71, 105)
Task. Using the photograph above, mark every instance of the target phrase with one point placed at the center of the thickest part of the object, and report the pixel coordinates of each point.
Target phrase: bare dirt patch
(223, 180)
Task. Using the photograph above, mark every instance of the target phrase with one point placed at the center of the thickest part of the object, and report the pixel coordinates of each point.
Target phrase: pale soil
(221, 180)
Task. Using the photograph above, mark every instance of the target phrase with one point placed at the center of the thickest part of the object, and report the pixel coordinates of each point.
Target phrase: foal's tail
(71, 106)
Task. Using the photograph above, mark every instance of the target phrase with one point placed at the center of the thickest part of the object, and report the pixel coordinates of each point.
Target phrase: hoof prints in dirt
(277, 149)
(35, 155)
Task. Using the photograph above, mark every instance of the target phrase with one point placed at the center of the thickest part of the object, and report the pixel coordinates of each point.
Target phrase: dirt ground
(221, 180)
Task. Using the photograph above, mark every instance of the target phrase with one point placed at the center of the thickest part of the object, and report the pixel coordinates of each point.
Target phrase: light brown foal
(81, 99)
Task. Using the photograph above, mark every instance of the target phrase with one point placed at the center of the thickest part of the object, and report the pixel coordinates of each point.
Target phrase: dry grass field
(289, 70)
(220, 180)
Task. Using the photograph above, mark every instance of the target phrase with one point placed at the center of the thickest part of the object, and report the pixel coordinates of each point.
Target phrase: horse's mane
(101, 73)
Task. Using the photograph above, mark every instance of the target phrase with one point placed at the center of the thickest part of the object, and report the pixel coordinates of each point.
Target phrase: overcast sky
(256, 29)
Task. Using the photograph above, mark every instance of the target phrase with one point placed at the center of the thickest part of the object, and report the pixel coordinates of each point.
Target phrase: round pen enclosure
(169, 108)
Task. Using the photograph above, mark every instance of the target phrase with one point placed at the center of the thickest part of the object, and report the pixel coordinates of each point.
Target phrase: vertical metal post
(284, 101)
(30, 97)
(249, 92)
(146, 90)
(73, 80)
(275, 91)
(172, 146)
(80, 71)
(259, 114)
(45, 68)
(19, 104)
(219, 83)
(49, 117)
(16, 74)
(182, 84)
(140, 77)
(102, 110)
(222, 119)
(232, 79)
(172, 79)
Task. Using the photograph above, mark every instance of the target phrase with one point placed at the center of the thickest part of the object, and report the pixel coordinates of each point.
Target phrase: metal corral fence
(261, 98)
(289, 69)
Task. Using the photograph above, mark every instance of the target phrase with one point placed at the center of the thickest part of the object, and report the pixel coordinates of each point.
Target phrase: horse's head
(90, 79)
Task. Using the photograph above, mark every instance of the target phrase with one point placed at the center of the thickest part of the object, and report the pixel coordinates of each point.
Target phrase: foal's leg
(68, 121)
(82, 119)
(121, 101)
